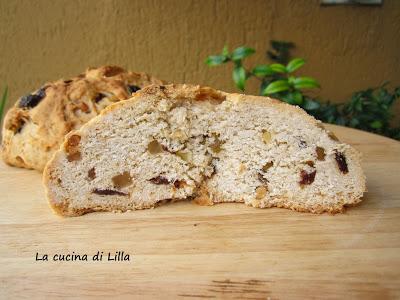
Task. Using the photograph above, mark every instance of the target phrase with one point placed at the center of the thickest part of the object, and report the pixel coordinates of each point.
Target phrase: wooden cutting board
(227, 251)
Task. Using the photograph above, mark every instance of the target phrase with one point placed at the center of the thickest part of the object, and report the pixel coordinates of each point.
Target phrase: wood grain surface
(227, 251)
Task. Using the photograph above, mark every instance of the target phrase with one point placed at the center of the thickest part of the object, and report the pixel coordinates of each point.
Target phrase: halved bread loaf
(36, 126)
(189, 142)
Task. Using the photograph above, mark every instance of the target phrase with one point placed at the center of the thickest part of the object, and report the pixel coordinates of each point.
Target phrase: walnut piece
(332, 136)
(185, 155)
(266, 136)
(122, 180)
(154, 147)
(216, 145)
(320, 153)
(261, 191)
(267, 166)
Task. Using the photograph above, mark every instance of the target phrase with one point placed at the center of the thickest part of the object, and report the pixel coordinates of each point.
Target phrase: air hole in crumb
(154, 147)
(92, 174)
(122, 180)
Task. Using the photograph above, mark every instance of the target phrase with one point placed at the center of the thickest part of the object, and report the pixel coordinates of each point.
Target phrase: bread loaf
(35, 127)
(180, 142)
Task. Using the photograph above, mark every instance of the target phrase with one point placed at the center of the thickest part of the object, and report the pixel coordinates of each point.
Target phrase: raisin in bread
(179, 142)
(35, 127)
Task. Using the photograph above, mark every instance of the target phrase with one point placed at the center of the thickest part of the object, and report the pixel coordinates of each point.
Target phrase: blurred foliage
(369, 110)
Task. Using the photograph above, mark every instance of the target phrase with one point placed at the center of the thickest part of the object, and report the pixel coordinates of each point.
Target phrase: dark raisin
(31, 100)
(84, 107)
(133, 88)
(159, 180)
(307, 178)
(179, 184)
(108, 192)
(99, 97)
(21, 124)
(341, 162)
(262, 179)
(68, 81)
(162, 87)
(92, 174)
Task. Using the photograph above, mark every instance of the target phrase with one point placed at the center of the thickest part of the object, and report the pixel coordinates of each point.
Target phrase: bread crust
(205, 196)
(32, 133)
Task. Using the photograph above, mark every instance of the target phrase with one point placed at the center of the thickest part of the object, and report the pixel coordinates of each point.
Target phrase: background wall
(347, 47)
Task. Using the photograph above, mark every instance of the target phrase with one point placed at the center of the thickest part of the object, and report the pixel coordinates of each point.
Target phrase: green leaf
(276, 87)
(278, 68)
(262, 71)
(305, 83)
(239, 77)
(215, 60)
(295, 64)
(242, 52)
(225, 51)
(376, 124)
(3, 101)
(295, 98)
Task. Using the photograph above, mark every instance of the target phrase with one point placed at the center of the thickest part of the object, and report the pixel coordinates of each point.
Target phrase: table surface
(227, 251)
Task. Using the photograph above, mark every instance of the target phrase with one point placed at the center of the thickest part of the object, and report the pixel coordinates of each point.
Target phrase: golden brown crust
(32, 134)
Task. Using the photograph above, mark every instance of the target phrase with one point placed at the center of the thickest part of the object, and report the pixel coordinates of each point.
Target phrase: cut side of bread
(36, 126)
(179, 142)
